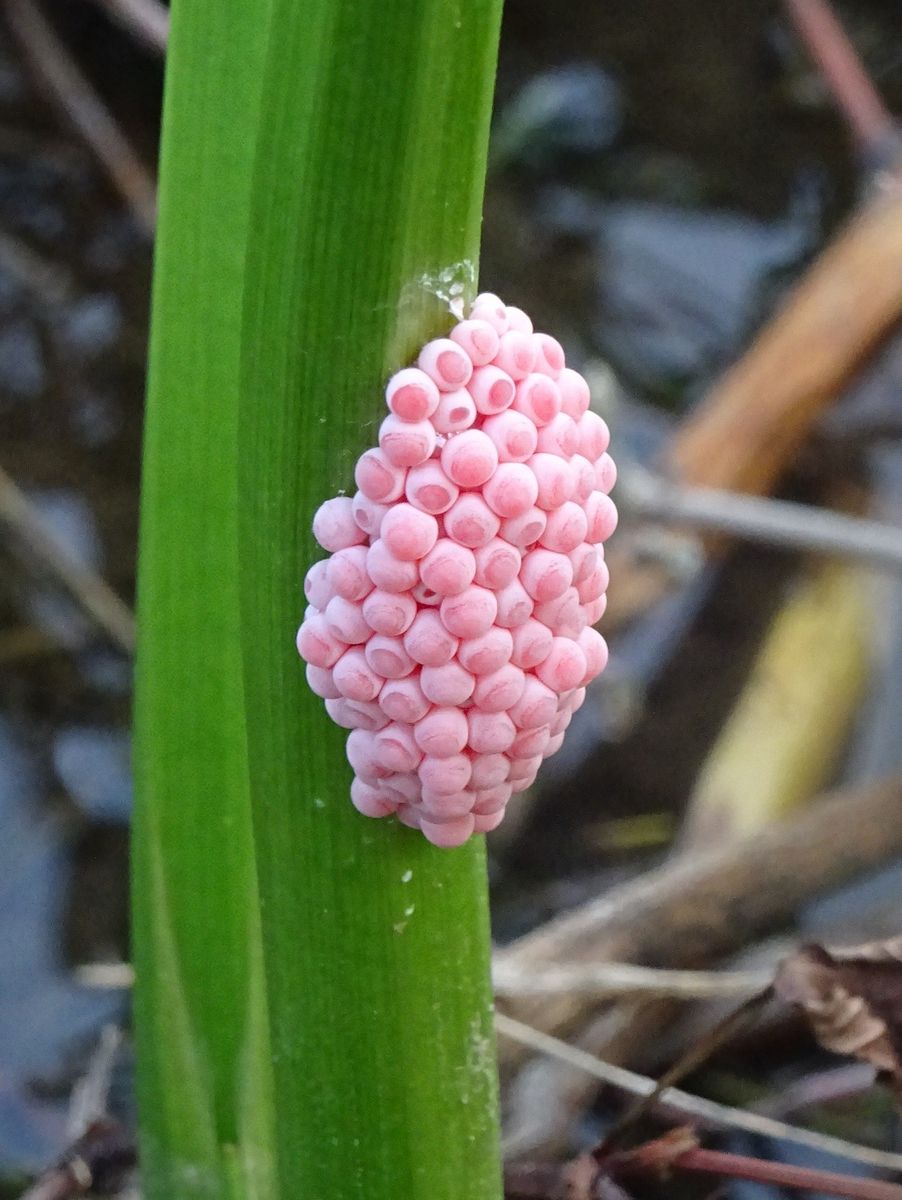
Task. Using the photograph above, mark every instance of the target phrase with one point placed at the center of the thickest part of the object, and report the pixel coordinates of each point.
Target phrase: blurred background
(665, 176)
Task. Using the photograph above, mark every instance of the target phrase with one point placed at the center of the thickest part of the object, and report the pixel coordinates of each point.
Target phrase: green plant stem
(313, 1000)
(367, 207)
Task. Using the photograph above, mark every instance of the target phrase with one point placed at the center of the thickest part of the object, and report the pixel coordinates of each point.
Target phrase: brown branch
(77, 100)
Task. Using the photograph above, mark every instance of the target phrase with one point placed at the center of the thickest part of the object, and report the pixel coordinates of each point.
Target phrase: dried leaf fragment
(853, 999)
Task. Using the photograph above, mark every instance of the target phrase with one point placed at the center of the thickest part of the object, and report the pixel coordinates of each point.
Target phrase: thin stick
(606, 981)
(843, 72)
(776, 522)
(784, 1175)
(92, 593)
(707, 1111)
(78, 101)
(148, 19)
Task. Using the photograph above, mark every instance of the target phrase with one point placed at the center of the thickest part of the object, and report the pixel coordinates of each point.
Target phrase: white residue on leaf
(451, 285)
(407, 876)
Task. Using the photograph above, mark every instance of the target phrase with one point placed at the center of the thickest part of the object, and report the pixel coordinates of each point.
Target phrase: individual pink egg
(370, 800)
(334, 526)
(388, 656)
(560, 436)
(531, 644)
(394, 748)
(574, 394)
(512, 490)
(560, 724)
(450, 834)
(487, 307)
(556, 479)
(584, 559)
(585, 478)
(470, 521)
(497, 564)
(486, 653)
(355, 678)
(403, 699)
(525, 530)
(500, 690)
(408, 533)
(345, 621)
(388, 572)
(428, 642)
(360, 752)
(470, 613)
(445, 776)
(491, 799)
(486, 822)
(565, 666)
(549, 355)
(449, 568)
(391, 613)
(594, 436)
(490, 733)
(408, 815)
(405, 443)
(403, 787)
(594, 610)
(546, 574)
(516, 354)
(566, 528)
(554, 745)
(469, 459)
(514, 605)
(595, 649)
(356, 714)
(577, 700)
(429, 488)
(602, 515)
(530, 742)
(442, 733)
(605, 473)
(563, 615)
(478, 339)
(442, 807)
(537, 706)
(595, 583)
(317, 586)
(378, 478)
(456, 412)
(489, 770)
(446, 363)
(523, 772)
(411, 395)
(447, 685)
(538, 398)
(321, 682)
(368, 514)
(492, 390)
(347, 574)
(515, 436)
(518, 319)
(425, 596)
(316, 643)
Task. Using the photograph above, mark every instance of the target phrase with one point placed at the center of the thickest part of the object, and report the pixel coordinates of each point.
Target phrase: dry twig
(83, 108)
(92, 593)
(708, 1112)
(148, 19)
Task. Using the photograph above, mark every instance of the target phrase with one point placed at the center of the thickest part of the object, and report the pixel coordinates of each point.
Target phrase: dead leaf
(853, 999)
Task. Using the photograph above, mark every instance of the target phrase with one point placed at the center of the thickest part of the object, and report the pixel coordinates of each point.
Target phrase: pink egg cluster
(451, 627)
